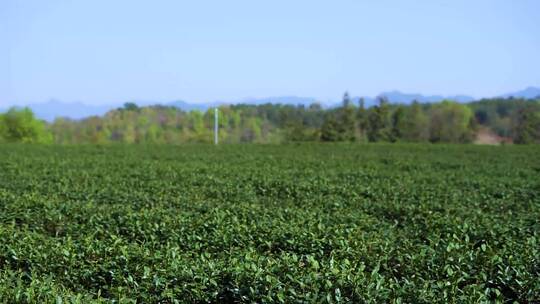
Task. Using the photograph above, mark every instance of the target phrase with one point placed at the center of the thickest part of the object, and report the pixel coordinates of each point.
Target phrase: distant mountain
(407, 98)
(530, 92)
(368, 101)
(185, 106)
(77, 110)
(288, 100)
(399, 97)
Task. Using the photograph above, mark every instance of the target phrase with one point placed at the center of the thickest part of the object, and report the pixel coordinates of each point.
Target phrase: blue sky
(101, 52)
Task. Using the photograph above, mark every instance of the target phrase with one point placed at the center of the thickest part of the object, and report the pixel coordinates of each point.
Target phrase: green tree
(362, 117)
(340, 124)
(450, 122)
(251, 131)
(20, 125)
(414, 125)
(199, 133)
(347, 124)
(63, 130)
(330, 128)
(397, 121)
(294, 130)
(526, 126)
(379, 128)
(131, 106)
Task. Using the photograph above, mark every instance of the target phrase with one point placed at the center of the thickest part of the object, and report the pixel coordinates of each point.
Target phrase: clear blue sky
(103, 51)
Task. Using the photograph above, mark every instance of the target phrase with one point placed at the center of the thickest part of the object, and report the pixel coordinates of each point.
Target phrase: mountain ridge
(78, 110)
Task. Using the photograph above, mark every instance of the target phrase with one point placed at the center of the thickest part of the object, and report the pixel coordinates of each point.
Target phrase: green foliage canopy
(20, 125)
(444, 122)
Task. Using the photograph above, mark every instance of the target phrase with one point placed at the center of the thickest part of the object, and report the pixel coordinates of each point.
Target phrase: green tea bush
(310, 223)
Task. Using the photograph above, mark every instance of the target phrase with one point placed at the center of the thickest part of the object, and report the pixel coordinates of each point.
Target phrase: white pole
(216, 126)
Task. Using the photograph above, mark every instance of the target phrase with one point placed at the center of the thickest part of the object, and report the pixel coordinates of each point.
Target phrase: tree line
(510, 119)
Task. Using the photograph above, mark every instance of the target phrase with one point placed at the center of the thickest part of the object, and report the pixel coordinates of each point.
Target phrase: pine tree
(330, 128)
(348, 122)
(397, 123)
(378, 122)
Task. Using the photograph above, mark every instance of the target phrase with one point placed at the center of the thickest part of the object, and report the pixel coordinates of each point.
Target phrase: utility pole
(215, 126)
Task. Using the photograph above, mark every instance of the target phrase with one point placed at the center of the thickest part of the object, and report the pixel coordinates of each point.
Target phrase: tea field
(308, 223)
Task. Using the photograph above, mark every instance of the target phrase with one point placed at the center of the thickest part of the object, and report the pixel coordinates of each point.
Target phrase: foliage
(447, 121)
(502, 115)
(340, 124)
(361, 118)
(20, 125)
(379, 123)
(302, 223)
(347, 119)
(412, 124)
(450, 122)
(330, 130)
(527, 126)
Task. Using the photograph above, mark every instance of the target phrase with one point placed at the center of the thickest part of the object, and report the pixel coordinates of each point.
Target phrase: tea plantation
(313, 223)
